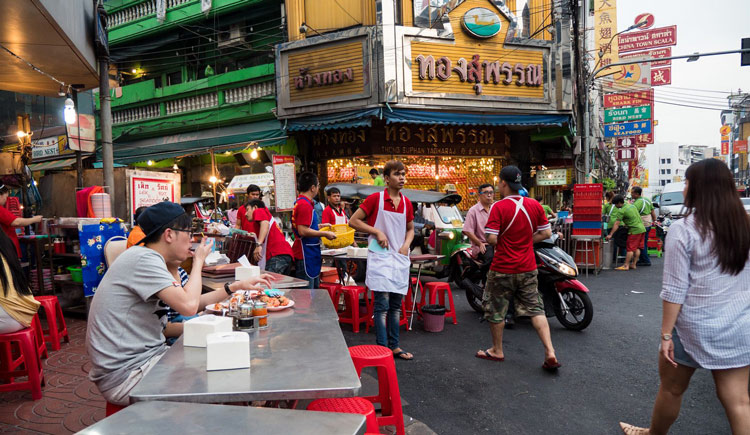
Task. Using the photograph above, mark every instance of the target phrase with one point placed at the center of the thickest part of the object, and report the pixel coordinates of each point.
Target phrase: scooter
(564, 296)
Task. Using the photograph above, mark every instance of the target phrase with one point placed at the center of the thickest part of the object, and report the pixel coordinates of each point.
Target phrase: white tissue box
(196, 330)
(356, 252)
(242, 273)
(227, 351)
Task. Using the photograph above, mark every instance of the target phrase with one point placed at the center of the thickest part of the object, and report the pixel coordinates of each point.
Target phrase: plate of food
(276, 303)
(217, 308)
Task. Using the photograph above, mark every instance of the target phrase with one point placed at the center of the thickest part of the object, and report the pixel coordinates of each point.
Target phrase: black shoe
(509, 322)
(643, 264)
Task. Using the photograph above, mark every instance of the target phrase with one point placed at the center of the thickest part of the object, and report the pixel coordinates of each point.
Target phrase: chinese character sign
(605, 27)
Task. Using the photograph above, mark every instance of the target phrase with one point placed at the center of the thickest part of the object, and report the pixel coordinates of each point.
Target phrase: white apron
(340, 218)
(262, 262)
(389, 271)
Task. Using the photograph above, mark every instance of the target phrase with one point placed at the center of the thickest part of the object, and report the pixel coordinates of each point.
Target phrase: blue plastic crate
(586, 225)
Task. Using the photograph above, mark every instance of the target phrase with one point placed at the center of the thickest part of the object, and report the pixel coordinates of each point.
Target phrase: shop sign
(240, 182)
(479, 72)
(627, 128)
(626, 154)
(83, 138)
(740, 146)
(285, 180)
(553, 177)
(647, 39)
(481, 23)
(605, 31)
(725, 130)
(653, 54)
(48, 147)
(627, 114)
(661, 76)
(629, 98)
(642, 140)
(148, 188)
(724, 147)
(305, 79)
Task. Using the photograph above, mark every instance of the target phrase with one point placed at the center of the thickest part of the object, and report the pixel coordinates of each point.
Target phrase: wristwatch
(666, 337)
(227, 289)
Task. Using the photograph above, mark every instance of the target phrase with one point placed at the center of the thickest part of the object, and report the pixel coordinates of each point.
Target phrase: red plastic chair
(41, 346)
(406, 306)
(348, 405)
(332, 289)
(437, 292)
(351, 314)
(111, 408)
(55, 321)
(29, 359)
(388, 396)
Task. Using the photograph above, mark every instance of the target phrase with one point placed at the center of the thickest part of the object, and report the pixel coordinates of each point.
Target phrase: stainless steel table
(302, 355)
(183, 418)
(279, 282)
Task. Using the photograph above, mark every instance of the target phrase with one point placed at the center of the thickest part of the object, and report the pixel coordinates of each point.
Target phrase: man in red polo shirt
(388, 217)
(273, 253)
(307, 234)
(253, 192)
(514, 225)
(9, 221)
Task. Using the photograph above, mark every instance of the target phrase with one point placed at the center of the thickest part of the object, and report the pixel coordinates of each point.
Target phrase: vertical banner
(285, 181)
(605, 28)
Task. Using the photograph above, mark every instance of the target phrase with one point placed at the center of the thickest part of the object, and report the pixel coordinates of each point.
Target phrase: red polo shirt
(302, 214)
(514, 252)
(245, 224)
(6, 219)
(329, 215)
(370, 206)
(276, 245)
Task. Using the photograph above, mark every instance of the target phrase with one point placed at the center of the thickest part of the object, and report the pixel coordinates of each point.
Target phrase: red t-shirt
(329, 215)
(6, 219)
(301, 215)
(514, 252)
(276, 245)
(370, 206)
(245, 225)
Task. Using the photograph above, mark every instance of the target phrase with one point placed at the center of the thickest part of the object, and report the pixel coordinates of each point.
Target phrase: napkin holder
(227, 351)
(195, 330)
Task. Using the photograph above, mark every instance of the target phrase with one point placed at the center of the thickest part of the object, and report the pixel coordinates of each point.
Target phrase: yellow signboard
(320, 73)
(605, 28)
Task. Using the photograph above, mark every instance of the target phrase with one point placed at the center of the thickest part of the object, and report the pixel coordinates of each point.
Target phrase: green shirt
(547, 210)
(379, 181)
(629, 217)
(613, 212)
(644, 206)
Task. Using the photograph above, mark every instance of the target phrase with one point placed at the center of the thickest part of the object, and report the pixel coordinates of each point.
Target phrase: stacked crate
(587, 209)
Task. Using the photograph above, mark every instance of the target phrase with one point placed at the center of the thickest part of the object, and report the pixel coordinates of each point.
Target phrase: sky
(702, 27)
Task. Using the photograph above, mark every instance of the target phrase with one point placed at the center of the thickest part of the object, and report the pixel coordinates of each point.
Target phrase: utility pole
(105, 102)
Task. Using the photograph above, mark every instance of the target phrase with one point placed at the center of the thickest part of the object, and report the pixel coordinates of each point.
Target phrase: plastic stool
(54, 314)
(332, 289)
(437, 292)
(348, 405)
(410, 295)
(32, 365)
(389, 397)
(406, 301)
(352, 315)
(41, 346)
(111, 408)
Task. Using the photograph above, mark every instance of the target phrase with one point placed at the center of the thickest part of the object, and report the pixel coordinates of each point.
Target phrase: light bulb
(21, 134)
(134, 71)
(175, 167)
(212, 179)
(254, 154)
(150, 162)
(70, 111)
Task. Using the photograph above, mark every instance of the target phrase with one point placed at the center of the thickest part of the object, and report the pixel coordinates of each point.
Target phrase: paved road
(609, 370)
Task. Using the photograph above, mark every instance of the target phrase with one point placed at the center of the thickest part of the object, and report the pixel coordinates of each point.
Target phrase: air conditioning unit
(235, 36)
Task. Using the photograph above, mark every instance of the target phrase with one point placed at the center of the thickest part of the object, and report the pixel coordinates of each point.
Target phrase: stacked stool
(55, 321)
(28, 357)
(352, 314)
(349, 405)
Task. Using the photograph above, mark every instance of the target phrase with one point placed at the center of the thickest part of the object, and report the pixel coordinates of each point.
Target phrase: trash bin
(607, 252)
(434, 317)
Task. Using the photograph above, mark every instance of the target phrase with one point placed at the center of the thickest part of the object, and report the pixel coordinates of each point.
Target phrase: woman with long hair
(17, 306)
(706, 300)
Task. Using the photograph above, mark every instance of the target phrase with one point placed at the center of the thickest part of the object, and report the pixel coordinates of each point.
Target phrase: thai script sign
(48, 147)
(629, 99)
(307, 80)
(627, 114)
(654, 54)
(647, 39)
(479, 72)
(148, 188)
(554, 177)
(627, 128)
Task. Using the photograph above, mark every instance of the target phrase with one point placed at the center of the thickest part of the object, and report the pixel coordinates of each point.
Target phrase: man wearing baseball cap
(514, 225)
(124, 336)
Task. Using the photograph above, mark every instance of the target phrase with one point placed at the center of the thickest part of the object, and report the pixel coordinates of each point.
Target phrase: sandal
(622, 268)
(404, 355)
(483, 354)
(629, 429)
(551, 364)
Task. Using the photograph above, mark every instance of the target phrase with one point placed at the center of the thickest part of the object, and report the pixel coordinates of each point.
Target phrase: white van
(671, 201)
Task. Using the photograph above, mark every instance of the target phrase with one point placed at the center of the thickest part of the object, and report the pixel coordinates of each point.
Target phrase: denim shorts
(680, 356)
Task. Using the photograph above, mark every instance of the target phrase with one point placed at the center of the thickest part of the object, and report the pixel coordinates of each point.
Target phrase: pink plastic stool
(348, 405)
(29, 358)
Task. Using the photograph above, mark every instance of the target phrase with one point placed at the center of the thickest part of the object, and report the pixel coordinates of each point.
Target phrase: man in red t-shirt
(9, 221)
(306, 248)
(278, 253)
(514, 225)
(253, 192)
(334, 213)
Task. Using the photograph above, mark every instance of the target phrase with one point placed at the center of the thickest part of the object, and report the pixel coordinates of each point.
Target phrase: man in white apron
(334, 213)
(388, 217)
(514, 225)
(273, 253)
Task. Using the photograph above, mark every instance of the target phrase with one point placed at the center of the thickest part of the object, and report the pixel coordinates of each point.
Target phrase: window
(669, 161)
(669, 171)
(663, 172)
(663, 182)
(663, 161)
(174, 78)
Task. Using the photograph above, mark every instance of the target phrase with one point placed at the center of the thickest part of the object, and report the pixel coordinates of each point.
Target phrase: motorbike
(564, 297)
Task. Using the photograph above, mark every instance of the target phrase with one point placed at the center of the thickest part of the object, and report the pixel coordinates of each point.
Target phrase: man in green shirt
(547, 209)
(648, 216)
(376, 176)
(629, 217)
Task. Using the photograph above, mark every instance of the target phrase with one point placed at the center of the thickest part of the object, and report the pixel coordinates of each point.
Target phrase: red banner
(639, 98)
(659, 52)
(740, 146)
(661, 76)
(644, 139)
(724, 147)
(648, 39)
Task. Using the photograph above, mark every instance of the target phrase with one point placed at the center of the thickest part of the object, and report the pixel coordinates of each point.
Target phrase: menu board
(286, 182)
(148, 188)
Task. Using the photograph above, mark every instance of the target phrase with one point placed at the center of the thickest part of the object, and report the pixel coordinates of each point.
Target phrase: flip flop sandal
(629, 429)
(486, 355)
(551, 364)
(400, 355)
(621, 268)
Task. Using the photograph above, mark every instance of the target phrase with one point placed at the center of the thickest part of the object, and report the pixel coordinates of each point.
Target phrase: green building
(192, 80)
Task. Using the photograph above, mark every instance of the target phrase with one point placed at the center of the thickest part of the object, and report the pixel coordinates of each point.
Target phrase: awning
(266, 133)
(357, 118)
(52, 164)
(410, 116)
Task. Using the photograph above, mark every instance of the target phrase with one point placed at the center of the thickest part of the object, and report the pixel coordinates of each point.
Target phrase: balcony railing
(198, 102)
(139, 11)
(135, 114)
(250, 92)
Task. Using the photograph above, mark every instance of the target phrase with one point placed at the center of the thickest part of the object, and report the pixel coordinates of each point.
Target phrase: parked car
(671, 202)
(746, 204)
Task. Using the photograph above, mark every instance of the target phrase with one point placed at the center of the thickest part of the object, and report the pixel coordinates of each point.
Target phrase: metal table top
(181, 418)
(302, 355)
(280, 281)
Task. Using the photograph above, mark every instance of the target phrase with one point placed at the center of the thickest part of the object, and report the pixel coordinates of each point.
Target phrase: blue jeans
(301, 274)
(644, 258)
(281, 264)
(387, 318)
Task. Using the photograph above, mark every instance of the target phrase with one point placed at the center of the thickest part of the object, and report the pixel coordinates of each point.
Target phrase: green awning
(52, 164)
(266, 133)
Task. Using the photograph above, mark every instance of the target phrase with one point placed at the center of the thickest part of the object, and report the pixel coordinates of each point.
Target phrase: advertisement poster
(83, 138)
(146, 188)
(286, 182)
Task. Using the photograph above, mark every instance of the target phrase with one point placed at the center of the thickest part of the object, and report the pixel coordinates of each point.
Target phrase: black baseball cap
(158, 216)
(512, 175)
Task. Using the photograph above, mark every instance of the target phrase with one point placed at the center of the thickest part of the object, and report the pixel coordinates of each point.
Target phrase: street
(609, 371)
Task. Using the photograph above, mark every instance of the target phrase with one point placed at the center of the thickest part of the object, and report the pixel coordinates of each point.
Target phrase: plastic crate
(587, 210)
(598, 187)
(586, 225)
(583, 217)
(587, 202)
(586, 231)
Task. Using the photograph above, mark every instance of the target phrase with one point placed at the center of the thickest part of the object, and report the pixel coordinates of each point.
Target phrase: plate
(210, 308)
(273, 309)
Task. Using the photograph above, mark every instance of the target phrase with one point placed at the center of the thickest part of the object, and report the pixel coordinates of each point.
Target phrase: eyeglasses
(487, 192)
(182, 230)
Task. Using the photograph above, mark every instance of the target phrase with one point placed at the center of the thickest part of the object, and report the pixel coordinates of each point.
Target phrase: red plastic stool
(55, 321)
(32, 365)
(406, 304)
(112, 409)
(332, 289)
(41, 346)
(437, 292)
(348, 405)
(352, 315)
(380, 357)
